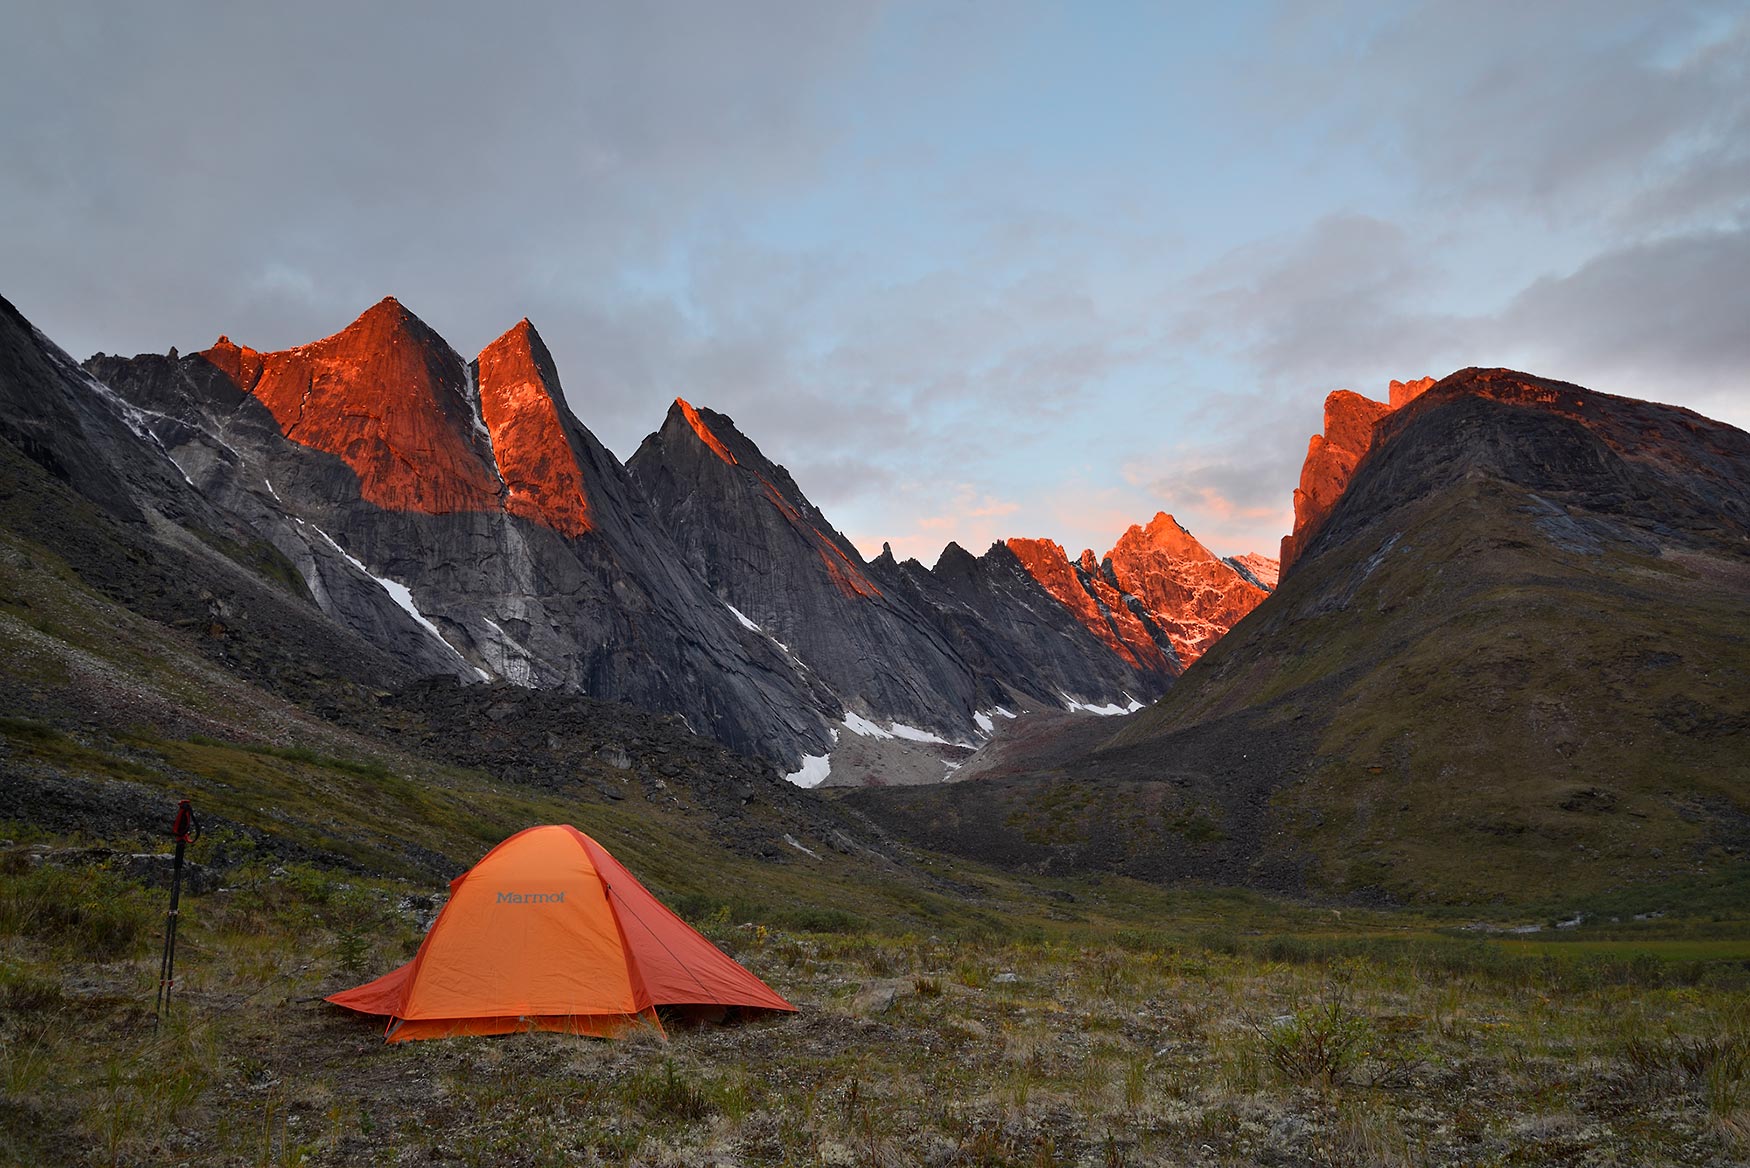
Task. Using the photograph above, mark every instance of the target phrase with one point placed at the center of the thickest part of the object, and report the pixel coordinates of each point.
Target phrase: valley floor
(1119, 1026)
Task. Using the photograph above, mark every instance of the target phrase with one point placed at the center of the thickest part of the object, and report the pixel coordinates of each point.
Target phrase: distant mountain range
(462, 520)
(1509, 658)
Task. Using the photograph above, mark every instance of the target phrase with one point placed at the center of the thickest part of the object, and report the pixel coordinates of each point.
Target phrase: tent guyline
(550, 932)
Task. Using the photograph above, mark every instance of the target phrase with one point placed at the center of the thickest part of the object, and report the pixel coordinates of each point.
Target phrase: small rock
(876, 998)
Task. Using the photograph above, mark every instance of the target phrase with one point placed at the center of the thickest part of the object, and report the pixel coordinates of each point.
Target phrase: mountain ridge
(1512, 658)
(416, 545)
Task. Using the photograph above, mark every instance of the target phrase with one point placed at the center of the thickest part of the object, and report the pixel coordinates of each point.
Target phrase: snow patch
(815, 769)
(1107, 711)
(952, 766)
(857, 724)
(471, 392)
(913, 734)
(984, 722)
(998, 710)
(402, 595)
(268, 483)
(795, 843)
(748, 624)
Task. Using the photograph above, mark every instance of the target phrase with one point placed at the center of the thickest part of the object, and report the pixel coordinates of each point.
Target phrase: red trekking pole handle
(187, 828)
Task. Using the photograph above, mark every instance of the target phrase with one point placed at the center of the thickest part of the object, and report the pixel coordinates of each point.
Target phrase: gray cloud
(1344, 296)
(1663, 319)
(273, 170)
(1564, 187)
(1562, 111)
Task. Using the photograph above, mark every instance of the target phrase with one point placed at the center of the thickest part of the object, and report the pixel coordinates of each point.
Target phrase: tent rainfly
(550, 932)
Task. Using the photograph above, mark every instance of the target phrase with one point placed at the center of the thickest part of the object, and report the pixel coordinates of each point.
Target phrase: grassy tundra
(1012, 1023)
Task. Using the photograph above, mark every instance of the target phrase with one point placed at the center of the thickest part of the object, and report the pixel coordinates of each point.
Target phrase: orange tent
(550, 932)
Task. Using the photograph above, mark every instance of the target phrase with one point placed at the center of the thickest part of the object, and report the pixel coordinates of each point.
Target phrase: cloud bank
(973, 272)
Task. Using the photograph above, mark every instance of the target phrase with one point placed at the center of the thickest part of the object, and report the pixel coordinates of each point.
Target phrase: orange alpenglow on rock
(1266, 570)
(704, 432)
(1331, 458)
(520, 404)
(550, 932)
(1402, 393)
(1101, 611)
(384, 395)
(238, 362)
(1191, 592)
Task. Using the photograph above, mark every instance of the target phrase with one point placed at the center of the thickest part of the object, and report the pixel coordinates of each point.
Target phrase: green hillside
(1514, 666)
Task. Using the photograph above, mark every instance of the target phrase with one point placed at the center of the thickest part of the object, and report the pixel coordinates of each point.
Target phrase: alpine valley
(1138, 858)
(1509, 648)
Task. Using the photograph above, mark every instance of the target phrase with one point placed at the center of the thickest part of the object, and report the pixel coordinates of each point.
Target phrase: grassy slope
(1560, 719)
(950, 1013)
(1093, 1021)
(1504, 675)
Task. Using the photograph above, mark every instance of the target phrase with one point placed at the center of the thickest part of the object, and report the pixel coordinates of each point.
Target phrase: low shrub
(1317, 1044)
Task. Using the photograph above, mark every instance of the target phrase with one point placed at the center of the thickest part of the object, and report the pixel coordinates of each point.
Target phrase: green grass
(1736, 950)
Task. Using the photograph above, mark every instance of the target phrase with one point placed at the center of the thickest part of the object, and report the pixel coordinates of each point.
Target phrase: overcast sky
(969, 270)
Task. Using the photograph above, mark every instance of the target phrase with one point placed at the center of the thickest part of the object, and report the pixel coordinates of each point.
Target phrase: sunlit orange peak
(519, 393)
(704, 431)
(383, 395)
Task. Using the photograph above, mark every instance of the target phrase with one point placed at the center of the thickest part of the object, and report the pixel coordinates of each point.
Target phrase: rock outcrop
(518, 391)
(769, 554)
(1187, 590)
(387, 397)
(1158, 599)
(1331, 458)
(1259, 569)
(1023, 644)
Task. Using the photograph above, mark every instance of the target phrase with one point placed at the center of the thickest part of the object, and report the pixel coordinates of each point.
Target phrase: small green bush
(1318, 1044)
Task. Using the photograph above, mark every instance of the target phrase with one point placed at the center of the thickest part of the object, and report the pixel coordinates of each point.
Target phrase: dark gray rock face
(414, 514)
(1022, 643)
(434, 534)
(84, 473)
(897, 643)
(745, 527)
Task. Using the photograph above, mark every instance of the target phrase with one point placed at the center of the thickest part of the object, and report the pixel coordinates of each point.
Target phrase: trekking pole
(186, 829)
